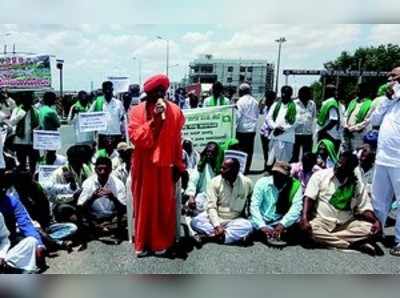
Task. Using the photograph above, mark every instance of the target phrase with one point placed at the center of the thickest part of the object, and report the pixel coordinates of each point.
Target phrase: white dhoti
(235, 229)
(279, 150)
(385, 185)
(23, 255)
(201, 202)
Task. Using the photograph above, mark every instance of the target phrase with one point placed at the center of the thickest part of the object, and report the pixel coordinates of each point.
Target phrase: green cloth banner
(214, 124)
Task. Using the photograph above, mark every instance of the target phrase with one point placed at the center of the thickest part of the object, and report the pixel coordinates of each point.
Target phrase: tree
(381, 58)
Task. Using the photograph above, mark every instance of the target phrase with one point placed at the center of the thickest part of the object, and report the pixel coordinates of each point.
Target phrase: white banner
(46, 140)
(95, 121)
(239, 155)
(215, 124)
(45, 172)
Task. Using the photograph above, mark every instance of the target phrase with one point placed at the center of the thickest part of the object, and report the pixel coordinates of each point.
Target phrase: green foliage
(381, 58)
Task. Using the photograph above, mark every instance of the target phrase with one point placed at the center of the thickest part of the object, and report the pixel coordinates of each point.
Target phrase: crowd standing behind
(332, 174)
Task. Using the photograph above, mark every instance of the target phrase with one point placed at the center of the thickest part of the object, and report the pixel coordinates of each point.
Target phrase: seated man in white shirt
(344, 217)
(228, 198)
(103, 196)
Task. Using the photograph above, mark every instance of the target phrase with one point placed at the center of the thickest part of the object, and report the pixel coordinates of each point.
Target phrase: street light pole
(167, 56)
(280, 41)
(60, 66)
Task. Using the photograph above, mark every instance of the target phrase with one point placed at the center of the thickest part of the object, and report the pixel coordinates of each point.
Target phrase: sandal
(395, 251)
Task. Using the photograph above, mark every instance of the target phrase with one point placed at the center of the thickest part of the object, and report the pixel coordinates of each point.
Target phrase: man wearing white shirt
(281, 120)
(306, 114)
(115, 112)
(386, 181)
(247, 120)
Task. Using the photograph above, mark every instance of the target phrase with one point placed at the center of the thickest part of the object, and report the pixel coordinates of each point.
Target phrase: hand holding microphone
(160, 108)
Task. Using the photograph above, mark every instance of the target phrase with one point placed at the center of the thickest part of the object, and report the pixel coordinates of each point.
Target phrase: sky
(94, 51)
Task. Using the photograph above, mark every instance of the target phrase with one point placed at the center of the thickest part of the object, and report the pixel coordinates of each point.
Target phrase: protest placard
(120, 84)
(239, 155)
(46, 140)
(204, 125)
(94, 121)
(45, 172)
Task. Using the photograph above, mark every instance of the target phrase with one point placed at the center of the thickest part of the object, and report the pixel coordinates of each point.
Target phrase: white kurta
(21, 256)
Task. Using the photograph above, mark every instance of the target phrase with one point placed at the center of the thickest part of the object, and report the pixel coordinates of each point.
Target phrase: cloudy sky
(95, 51)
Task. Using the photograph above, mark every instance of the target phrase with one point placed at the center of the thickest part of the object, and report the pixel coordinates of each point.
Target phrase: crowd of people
(332, 173)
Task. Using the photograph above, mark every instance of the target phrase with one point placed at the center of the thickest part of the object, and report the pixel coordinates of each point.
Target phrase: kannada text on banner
(92, 121)
(46, 140)
(205, 125)
(25, 72)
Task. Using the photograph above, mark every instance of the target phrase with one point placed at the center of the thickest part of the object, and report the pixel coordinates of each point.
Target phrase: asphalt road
(102, 258)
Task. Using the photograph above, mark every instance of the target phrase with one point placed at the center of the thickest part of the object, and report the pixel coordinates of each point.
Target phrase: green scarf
(218, 161)
(99, 103)
(229, 143)
(325, 109)
(79, 108)
(383, 89)
(291, 112)
(214, 100)
(362, 113)
(102, 153)
(286, 196)
(330, 147)
(20, 129)
(342, 197)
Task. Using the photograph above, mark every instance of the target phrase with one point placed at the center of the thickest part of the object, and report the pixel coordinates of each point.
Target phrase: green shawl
(330, 147)
(218, 161)
(214, 100)
(325, 109)
(79, 108)
(287, 195)
(342, 197)
(363, 112)
(291, 112)
(99, 103)
(20, 129)
(227, 145)
(383, 89)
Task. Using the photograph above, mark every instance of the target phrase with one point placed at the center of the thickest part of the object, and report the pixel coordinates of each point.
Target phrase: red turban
(156, 81)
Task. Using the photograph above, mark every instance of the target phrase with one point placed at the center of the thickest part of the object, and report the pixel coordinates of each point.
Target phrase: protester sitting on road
(108, 150)
(16, 216)
(17, 257)
(209, 166)
(25, 118)
(366, 169)
(33, 197)
(344, 217)
(276, 204)
(305, 169)
(327, 155)
(191, 156)
(217, 98)
(103, 197)
(228, 198)
(115, 114)
(124, 166)
(65, 184)
(282, 122)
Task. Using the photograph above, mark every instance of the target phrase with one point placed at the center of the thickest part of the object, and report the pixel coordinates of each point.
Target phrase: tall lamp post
(280, 41)
(60, 66)
(139, 69)
(167, 58)
(5, 42)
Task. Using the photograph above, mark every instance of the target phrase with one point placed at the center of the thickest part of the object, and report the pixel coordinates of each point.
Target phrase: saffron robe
(158, 148)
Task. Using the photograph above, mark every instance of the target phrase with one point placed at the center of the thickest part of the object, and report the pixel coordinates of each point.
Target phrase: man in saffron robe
(155, 129)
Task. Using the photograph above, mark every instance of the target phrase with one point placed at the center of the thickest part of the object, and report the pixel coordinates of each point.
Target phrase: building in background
(232, 72)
